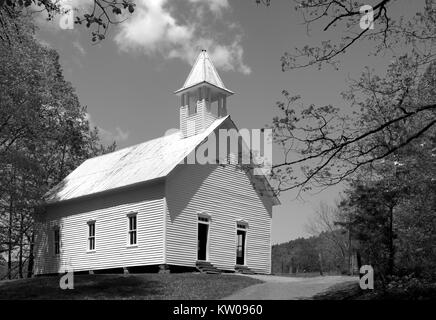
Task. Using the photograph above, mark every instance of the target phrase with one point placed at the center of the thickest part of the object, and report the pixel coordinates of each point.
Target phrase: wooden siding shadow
(185, 183)
(194, 177)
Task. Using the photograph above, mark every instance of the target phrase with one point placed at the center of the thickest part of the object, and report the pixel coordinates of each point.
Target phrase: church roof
(203, 71)
(140, 163)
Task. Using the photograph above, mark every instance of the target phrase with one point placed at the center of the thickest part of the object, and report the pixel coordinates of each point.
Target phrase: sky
(127, 81)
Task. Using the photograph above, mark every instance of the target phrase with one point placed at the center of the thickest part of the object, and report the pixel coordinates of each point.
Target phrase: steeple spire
(203, 97)
(203, 71)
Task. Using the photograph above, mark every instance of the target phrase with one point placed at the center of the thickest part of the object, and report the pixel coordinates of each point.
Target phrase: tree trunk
(10, 238)
(20, 257)
(31, 258)
(320, 264)
(391, 241)
(350, 252)
(359, 260)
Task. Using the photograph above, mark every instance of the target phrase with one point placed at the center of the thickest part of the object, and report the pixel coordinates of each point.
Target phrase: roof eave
(104, 192)
(276, 201)
(182, 90)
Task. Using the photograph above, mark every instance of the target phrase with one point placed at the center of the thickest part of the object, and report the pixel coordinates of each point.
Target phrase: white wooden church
(143, 208)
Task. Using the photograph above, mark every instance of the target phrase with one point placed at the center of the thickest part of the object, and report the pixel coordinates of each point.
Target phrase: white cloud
(172, 29)
(150, 27)
(106, 136)
(228, 56)
(79, 48)
(154, 29)
(121, 135)
(216, 6)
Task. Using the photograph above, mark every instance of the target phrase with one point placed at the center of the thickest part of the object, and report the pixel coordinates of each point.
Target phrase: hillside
(303, 255)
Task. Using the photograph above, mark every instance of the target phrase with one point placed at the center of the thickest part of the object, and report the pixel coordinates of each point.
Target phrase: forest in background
(305, 255)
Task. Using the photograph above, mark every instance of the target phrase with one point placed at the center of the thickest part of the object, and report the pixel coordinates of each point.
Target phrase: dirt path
(288, 288)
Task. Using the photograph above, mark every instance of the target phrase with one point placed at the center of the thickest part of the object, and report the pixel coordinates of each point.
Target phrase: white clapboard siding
(226, 194)
(111, 232)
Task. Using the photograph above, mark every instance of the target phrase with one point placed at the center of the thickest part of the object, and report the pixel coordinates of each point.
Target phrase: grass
(133, 286)
(352, 291)
(343, 291)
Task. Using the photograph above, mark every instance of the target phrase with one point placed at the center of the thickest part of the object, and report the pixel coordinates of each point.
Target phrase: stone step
(213, 271)
(206, 267)
(244, 270)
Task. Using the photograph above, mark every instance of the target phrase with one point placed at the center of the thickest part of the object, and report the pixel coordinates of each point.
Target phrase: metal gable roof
(203, 71)
(140, 163)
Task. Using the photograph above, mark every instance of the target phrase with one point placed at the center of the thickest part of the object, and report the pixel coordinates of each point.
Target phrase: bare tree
(324, 145)
(344, 17)
(328, 225)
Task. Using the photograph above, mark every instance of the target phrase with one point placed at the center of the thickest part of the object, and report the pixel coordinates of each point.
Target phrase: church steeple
(203, 97)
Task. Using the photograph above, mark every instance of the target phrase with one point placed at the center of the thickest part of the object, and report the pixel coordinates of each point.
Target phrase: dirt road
(287, 288)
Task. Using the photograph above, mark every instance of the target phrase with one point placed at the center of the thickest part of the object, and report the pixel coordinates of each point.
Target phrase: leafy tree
(392, 209)
(44, 135)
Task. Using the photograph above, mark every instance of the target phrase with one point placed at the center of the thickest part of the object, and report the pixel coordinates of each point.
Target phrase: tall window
(241, 234)
(132, 229)
(57, 241)
(91, 235)
(203, 237)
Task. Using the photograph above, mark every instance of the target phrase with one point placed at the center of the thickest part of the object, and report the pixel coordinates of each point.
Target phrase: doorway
(203, 230)
(240, 247)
